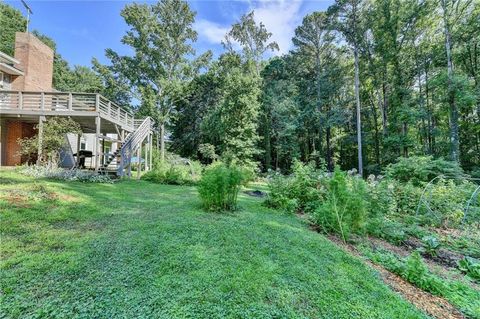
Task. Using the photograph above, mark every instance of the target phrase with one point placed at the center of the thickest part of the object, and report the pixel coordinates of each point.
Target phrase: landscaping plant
(219, 186)
(53, 140)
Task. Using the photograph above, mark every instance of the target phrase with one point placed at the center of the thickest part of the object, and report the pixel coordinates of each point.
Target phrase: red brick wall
(36, 60)
(16, 130)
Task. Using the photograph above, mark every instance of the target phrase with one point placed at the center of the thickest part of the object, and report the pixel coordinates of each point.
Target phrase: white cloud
(280, 17)
(211, 31)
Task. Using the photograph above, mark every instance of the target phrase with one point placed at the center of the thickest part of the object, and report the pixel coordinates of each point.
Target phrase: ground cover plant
(140, 249)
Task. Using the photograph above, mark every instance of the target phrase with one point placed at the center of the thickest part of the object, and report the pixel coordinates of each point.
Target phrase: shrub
(445, 202)
(302, 190)
(219, 186)
(174, 171)
(53, 140)
(418, 169)
(345, 209)
(280, 194)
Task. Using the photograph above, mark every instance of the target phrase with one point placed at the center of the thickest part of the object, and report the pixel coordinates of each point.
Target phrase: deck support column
(151, 151)
(77, 162)
(41, 119)
(97, 143)
(139, 160)
(147, 152)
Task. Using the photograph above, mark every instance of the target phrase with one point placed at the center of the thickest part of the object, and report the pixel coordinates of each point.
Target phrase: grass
(140, 250)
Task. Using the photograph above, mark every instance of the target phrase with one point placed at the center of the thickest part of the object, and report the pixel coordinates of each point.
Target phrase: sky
(84, 29)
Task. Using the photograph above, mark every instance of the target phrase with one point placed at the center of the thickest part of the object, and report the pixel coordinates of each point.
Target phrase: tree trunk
(454, 135)
(268, 144)
(359, 121)
(162, 142)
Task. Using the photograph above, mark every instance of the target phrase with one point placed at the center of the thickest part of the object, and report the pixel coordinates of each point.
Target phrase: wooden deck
(22, 103)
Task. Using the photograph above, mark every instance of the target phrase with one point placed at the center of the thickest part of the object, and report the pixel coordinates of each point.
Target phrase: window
(5, 81)
(83, 145)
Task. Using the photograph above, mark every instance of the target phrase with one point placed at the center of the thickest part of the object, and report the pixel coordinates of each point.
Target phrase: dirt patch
(432, 305)
(256, 193)
(444, 257)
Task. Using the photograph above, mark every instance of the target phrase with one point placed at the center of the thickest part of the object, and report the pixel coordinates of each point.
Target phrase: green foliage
(174, 171)
(252, 37)
(344, 210)
(431, 245)
(11, 21)
(470, 266)
(236, 118)
(416, 272)
(54, 139)
(207, 151)
(280, 195)
(418, 169)
(414, 269)
(300, 191)
(219, 186)
(446, 202)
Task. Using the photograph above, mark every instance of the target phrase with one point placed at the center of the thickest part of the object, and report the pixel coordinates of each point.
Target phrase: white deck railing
(33, 102)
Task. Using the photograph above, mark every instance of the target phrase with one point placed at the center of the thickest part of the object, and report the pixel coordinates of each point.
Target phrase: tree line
(366, 82)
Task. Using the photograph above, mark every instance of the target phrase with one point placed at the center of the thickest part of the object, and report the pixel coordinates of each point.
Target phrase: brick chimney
(36, 61)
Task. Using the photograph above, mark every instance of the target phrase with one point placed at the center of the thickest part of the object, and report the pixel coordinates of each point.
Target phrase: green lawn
(140, 250)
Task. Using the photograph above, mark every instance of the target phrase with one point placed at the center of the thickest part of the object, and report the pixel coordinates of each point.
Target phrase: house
(111, 133)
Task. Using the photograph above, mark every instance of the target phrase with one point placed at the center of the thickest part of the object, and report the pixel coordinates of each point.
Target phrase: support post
(139, 160)
(97, 143)
(77, 165)
(102, 161)
(41, 119)
(151, 151)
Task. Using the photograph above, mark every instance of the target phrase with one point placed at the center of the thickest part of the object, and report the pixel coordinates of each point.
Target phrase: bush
(54, 130)
(174, 171)
(345, 208)
(64, 174)
(301, 191)
(418, 169)
(280, 194)
(444, 203)
(219, 186)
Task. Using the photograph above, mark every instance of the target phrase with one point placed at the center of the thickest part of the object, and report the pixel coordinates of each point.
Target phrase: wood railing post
(20, 100)
(97, 102)
(41, 119)
(42, 102)
(97, 143)
(70, 101)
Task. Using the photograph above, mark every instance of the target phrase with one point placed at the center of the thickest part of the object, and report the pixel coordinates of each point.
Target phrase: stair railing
(132, 143)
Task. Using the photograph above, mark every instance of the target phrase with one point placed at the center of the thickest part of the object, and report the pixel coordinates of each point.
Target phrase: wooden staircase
(131, 144)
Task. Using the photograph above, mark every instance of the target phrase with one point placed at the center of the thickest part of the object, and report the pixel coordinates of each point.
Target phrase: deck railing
(64, 102)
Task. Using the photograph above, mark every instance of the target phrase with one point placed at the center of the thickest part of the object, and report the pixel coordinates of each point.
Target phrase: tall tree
(452, 10)
(161, 36)
(252, 38)
(314, 41)
(347, 17)
(11, 21)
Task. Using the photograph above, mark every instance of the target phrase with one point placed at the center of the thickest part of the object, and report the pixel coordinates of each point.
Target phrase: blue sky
(84, 29)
